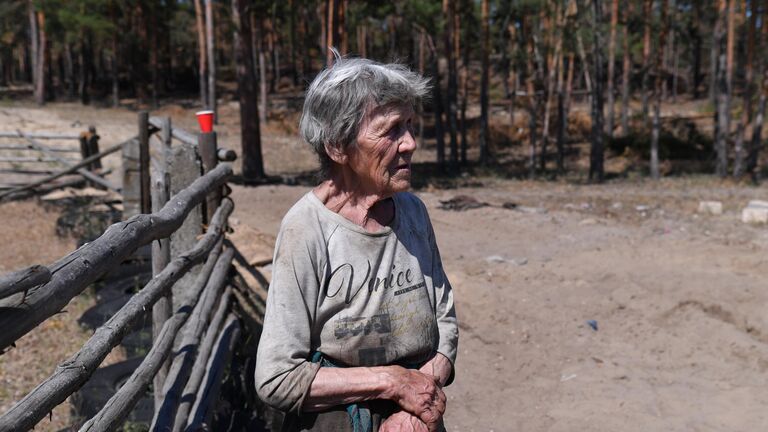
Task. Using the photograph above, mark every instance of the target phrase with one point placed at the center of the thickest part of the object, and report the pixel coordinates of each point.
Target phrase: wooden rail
(73, 373)
(179, 134)
(39, 135)
(196, 327)
(23, 280)
(46, 154)
(74, 272)
(69, 170)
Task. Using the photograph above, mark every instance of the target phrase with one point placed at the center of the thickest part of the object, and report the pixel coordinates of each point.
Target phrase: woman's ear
(336, 154)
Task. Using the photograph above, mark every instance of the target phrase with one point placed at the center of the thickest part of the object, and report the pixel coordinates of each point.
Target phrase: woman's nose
(407, 143)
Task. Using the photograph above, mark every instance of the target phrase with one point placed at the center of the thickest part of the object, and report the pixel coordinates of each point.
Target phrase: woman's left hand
(403, 421)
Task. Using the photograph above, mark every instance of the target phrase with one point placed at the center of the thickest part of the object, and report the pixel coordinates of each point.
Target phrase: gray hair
(343, 94)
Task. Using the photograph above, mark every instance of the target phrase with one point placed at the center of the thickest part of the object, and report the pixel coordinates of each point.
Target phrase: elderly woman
(360, 331)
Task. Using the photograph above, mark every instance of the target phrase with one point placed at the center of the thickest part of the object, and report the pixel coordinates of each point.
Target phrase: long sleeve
(283, 373)
(445, 311)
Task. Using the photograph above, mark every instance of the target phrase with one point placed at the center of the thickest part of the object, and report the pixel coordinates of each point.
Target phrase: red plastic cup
(205, 120)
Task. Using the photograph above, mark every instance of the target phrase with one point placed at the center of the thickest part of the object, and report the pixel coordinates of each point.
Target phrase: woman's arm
(415, 392)
(439, 367)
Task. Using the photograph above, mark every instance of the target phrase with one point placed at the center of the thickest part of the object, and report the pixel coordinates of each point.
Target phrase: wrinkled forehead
(388, 111)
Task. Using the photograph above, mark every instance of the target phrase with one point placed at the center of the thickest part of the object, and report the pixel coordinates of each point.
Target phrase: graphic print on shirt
(342, 281)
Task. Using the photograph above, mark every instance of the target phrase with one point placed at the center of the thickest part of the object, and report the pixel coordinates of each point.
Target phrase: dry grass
(30, 231)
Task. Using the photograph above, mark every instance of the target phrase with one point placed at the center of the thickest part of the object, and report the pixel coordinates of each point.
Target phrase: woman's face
(381, 160)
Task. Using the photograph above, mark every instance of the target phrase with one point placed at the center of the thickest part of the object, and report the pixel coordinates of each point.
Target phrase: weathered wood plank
(184, 169)
(114, 412)
(198, 369)
(23, 280)
(72, 273)
(22, 171)
(69, 170)
(207, 148)
(145, 199)
(74, 182)
(71, 374)
(35, 159)
(190, 339)
(209, 392)
(29, 147)
(161, 248)
(40, 135)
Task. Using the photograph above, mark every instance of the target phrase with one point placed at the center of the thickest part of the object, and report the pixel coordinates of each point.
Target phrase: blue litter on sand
(593, 324)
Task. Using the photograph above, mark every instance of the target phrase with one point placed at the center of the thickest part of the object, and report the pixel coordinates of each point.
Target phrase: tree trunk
(342, 27)
(555, 32)
(84, 69)
(669, 55)
(583, 59)
(153, 56)
(596, 155)
(695, 34)
(757, 124)
(484, 136)
(201, 57)
(569, 82)
(211, 55)
(722, 107)
(422, 60)
(660, 65)
(562, 117)
(331, 25)
(438, 105)
(533, 105)
(757, 130)
(253, 165)
(647, 10)
(292, 41)
(269, 35)
(449, 13)
(34, 42)
(626, 69)
(464, 97)
(611, 65)
(263, 89)
(115, 74)
(746, 99)
(40, 64)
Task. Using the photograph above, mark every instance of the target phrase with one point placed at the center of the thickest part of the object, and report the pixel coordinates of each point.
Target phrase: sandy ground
(678, 297)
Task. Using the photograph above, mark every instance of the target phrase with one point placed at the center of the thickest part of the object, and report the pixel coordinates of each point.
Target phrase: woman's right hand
(418, 394)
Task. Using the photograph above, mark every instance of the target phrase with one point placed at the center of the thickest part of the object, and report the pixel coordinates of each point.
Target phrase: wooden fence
(201, 323)
(25, 152)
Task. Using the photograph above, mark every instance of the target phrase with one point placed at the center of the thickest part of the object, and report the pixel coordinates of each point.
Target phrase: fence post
(161, 251)
(184, 168)
(146, 203)
(131, 182)
(85, 150)
(206, 143)
(93, 147)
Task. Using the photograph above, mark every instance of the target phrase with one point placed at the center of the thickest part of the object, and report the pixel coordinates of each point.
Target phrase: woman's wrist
(390, 377)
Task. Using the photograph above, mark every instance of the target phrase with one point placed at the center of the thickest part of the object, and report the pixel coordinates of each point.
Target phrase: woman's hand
(438, 366)
(403, 421)
(419, 394)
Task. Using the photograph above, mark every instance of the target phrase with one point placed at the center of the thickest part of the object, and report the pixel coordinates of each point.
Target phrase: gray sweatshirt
(360, 298)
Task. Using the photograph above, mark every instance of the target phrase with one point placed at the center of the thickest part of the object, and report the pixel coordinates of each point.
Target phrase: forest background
(534, 103)
(508, 75)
